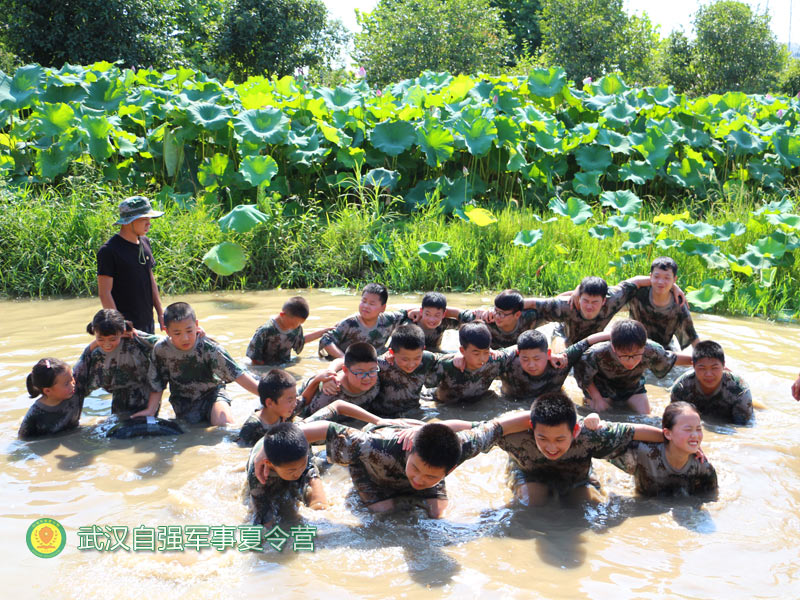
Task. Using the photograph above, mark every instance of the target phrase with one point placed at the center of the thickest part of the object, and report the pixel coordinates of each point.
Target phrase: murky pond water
(745, 545)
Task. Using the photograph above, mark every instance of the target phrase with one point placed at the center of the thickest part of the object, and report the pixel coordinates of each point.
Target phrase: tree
(276, 36)
(790, 78)
(735, 49)
(402, 38)
(636, 51)
(677, 65)
(50, 33)
(521, 19)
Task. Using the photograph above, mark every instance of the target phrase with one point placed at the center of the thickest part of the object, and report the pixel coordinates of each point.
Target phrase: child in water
(58, 407)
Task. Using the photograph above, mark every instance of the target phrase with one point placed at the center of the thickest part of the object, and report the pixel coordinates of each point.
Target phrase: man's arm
(104, 285)
(315, 432)
(248, 382)
(647, 433)
(645, 281)
(157, 301)
(316, 334)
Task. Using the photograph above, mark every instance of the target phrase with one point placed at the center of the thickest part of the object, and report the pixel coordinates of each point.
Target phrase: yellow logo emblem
(46, 538)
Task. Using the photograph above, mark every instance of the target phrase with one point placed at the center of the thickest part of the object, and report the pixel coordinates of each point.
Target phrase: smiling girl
(58, 407)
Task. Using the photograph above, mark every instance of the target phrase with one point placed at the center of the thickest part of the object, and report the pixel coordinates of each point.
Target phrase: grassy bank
(48, 240)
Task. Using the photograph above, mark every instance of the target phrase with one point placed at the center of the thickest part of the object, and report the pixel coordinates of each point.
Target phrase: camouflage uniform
(320, 399)
(433, 337)
(730, 401)
(123, 372)
(377, 461)
(572, 326)
(272, 346)
(196, 377)
(527, 464)
(270, 497)
(351, 330)
(662, 322)
(455, 386)
(42, 420)
(600, 365)
(528, 319)
(519, 385)
(399, 391)
(654, 476)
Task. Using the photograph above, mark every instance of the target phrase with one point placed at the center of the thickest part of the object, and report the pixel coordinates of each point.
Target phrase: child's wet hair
(553, 408)
(509, 300)
(674, 410)
(178, 311)
(108, 321)
(438, 446)
(44, 374)
(593, 286)
(665, 263)
(271, 386)
(532, 340)
(285, 443)
(708, 349)
(378, 289)
(407, 337)
(476, 334)
(434, 300)
(360, 352)
(628, 333)
(296, 306)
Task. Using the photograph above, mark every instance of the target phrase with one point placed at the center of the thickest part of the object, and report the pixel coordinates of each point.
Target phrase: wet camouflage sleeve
(433, 337)
(344, 445)
(399, 391)
(662, 323)
(658, 359)
(252, 430)
(529, 319)
(42, 420)
(654, 475)
(479, 439)
(272, 346)
(520, 385)
(599, 365)
(351, 330)
(321, 399)
(464, 386)
(732, 401)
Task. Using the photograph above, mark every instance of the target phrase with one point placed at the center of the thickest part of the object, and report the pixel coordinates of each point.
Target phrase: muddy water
(745, 545)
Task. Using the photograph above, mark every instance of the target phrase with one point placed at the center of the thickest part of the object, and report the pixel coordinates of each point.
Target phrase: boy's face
(407, 360)
(534, 360)
(290, 471)
(687, 432)
(370, 306)
(554, 440)
(474, 357)
(285, 404)
(709, 372)
(431, 317)
(361, 376)
(183, 334)
(291, 321)
(420, 474)
(506, 319)
(661, 280)
(108, 343)
(141, 226)
(629, 357)
(63, 387)
(590, 305)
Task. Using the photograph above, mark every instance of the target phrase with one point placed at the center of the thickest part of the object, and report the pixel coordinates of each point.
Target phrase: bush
(677, 65)
(790, 78)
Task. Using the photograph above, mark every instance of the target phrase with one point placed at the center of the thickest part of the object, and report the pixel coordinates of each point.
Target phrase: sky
(669, 14)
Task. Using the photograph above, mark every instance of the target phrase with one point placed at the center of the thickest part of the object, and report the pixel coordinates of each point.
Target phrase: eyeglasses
(503, 313)
(630, 356)
(367, 374)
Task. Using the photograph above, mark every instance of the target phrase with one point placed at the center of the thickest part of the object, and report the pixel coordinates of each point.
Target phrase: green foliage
(677, 64)
(402, 38)
(790, 78)
(521, 20)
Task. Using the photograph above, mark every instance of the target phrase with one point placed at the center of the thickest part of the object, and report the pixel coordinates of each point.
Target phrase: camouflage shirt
(352, 330)
(123, 372)
(253, 429)
(599, 364)
(41, 419)
(382, 458)
(662, 322)
(399, 391)
(529, 319)
(270, 497)
(730, 401)
(573, 327)
(574, 467)
(271, 345)
(320, 399)
(519, 385)
(654, 476)
(191, 373)
(433, 337)
(454, 385)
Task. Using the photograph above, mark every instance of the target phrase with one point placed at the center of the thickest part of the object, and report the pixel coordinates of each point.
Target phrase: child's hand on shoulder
(459, 362)
(559, 361)
(399, 423)
(406, 437)
(483, 314)
(330, 386)
(593, 422)
(415, 314)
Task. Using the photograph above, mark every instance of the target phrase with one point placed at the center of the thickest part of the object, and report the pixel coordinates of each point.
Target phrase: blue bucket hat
(134, 208)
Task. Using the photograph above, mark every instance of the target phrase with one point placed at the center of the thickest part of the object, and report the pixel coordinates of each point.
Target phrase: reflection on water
(742, 546)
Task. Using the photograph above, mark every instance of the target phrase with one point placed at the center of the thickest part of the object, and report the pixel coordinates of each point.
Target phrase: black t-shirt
(130, 265)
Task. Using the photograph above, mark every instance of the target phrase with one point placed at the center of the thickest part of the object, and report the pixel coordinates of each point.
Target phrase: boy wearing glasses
(613, 372)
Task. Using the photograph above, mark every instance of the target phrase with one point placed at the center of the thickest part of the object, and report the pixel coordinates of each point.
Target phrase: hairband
(47, 363)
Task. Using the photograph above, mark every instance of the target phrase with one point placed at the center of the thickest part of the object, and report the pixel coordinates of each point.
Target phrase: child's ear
(576, 430)
(549, 353)
(667, 433)
(461, 350)
(391, 352)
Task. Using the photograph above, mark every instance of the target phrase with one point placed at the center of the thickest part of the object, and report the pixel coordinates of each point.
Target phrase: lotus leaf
(433, 251)
(242, 219)
(225, 258)
(527, 238)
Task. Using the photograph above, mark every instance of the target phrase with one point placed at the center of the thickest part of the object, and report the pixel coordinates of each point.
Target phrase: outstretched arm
(248, 382)
(316, 334)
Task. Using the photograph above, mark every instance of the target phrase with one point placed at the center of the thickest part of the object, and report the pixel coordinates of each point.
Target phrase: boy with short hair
(277, 391)
(712, 389)
(372, 324)
(434, 318)
(274, 341)
(196, 368)
(510, 318)
(613, 372)
(654, 306)
(554, 457)
(382, 468)
(480, 368)
(528, 371)
(125, 263)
